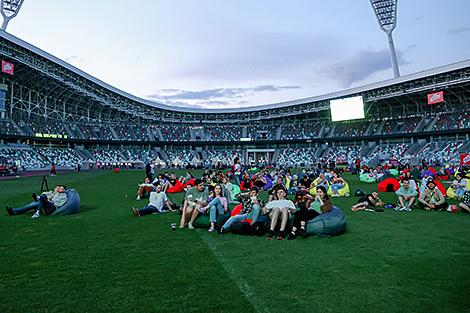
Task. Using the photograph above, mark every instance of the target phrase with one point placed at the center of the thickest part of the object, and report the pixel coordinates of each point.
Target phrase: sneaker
(35, 197)
(302, 231)
(135, 212)
(280, 236)
(211, 230)
(190, 225)
(407, 209)
(10, 210)
(138, 198)
(398, 208)
(35, 215)
(270, 235)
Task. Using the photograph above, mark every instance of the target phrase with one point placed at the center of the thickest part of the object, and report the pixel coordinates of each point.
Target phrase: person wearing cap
(278, 185)
(406, 196)
(251, 208)
(194, 199)
(431, 198)
(309, 208)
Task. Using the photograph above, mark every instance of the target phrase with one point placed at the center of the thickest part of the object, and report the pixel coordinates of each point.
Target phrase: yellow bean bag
(343, 192)
(450, 192)
(313, 191)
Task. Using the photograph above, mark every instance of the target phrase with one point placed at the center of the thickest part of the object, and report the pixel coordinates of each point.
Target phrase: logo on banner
(465, 159)
(8, 67)
(436, 97)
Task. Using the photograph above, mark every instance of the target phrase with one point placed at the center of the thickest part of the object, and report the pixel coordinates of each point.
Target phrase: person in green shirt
(406, 196)
(195, 198)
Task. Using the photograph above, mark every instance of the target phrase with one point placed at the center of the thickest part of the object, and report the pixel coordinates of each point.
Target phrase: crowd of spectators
(63, 157)
(7, 128)
(176, 133)
(23, 158)
(223, 133)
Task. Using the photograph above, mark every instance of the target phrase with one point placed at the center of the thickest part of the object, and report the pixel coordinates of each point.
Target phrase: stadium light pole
(9, 9)
(386, 13)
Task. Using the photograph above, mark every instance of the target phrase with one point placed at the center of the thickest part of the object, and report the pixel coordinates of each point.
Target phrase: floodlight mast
(386, 13)
(9, 9)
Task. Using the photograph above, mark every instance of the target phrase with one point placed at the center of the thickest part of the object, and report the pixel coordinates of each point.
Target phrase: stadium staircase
(25, 129)
(416, 148)
(69, 132)
(84, 153)
(78, 132)
(150, 135)
(159, 134)
(113, 132)
(197, 154)
(12, 122)
(162, 154)
(321, 132)
(278, 133)
(192, 133)
(424, 124)
(275, 156)
(323, 151)
(465, 148)
(432, 123)
(331, 132)
(244, 132)
(367, 149)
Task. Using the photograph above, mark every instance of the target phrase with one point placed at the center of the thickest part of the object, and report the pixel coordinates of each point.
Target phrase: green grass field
(106, 260)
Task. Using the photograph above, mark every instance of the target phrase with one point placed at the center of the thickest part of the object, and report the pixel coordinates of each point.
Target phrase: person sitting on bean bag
(45, 203)
(308, 209)
(406, 196)
(250, 209)
(218, 205)
(459, 186)
(145, 189)
(370, 202)
(276, 207)
(337, 183)
(194, 198)
(465, 204)
(278, 185)
(432, 198)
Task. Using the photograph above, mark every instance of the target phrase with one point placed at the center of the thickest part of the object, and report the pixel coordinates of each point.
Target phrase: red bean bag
(178, 187)
(388, 185)
(236, 210)
(441, 187)
(243, 185)
(189, 183)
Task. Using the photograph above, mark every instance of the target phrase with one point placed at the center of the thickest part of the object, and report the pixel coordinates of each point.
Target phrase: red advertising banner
(436, 97)
(464, 159)
(8, 67)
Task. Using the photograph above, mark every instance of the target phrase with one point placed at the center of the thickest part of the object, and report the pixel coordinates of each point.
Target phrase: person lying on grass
(370, 202)
(309, 208)
(195, 198)
(45, 203)
(280, 206)
(431, 198)
(406, 196)
(218, 205)
(251, 208)
(157, 200)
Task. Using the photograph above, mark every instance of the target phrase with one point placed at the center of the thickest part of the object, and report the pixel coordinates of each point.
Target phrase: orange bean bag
(178, 187)
(189, 183)
(236, 210)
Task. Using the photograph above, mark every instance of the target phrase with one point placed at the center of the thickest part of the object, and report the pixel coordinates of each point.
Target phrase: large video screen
(347, 109)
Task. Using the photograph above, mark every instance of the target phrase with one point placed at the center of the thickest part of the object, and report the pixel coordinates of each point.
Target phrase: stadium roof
(161, 106)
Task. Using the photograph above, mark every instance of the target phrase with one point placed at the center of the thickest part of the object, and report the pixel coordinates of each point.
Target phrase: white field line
(234, 275)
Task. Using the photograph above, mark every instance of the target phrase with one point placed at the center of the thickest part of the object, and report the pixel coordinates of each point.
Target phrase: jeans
(215, 207)
(35, 205)
(148, 209)
(253, 215)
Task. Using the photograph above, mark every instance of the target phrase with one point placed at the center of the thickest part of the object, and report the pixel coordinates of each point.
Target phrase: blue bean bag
(269, 183)
(71, 206)
(328, 224)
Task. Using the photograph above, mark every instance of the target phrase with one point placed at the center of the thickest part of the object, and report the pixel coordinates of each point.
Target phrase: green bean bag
(328, 224)
(202, 220)
(367, 178)
(394, 172)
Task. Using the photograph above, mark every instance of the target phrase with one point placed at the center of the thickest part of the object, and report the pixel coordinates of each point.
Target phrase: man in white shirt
(157, 201)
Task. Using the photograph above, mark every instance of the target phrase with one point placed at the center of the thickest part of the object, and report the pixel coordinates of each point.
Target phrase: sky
(221, 54)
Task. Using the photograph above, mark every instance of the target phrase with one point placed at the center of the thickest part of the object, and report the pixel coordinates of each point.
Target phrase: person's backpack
(359, 193)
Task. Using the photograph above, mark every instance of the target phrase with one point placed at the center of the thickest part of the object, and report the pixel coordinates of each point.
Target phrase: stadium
(103, 142)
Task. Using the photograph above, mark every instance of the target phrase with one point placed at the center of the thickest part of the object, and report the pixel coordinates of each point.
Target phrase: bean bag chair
(367, 178)
(388, 185)
(328, 224)
(343, 192)
(269, 183)
(384, 177)
(178, 187)
(450, 193)
(244, 186)
(253, 170)
(394, 172)
(189, 183)
(427, 173)
(443, 176)
(440, 187)
(202, 220)
(236, 210)
(71, 206)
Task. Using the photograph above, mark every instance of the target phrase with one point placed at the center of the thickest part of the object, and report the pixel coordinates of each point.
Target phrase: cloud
(361, 66)
(217, 97)
(456, 31)
(74, 59)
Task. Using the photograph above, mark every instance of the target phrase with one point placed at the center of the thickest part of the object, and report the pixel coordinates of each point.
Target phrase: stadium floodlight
(386, 13)
(9, 9)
